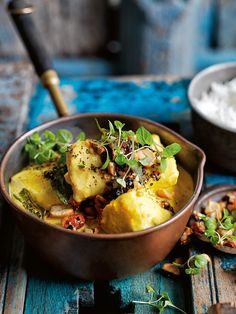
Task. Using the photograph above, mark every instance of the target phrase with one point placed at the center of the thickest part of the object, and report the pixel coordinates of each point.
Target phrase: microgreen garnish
(48, 146)
(194, 264)
(81, 136)
(117, 139)
(159, 300)
(106, 163)
(144, 136)
(168, 152)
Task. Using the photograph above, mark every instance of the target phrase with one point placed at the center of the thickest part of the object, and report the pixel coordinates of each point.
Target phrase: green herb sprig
(159, 300)
(168, 152)
(194, 264)
(141, 139)
(49, 146)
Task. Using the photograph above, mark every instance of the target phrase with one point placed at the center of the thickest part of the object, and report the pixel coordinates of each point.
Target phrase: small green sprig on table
(159, 300)
(194, 265)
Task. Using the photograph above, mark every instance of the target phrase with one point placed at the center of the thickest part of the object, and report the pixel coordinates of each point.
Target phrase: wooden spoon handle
(21, 13)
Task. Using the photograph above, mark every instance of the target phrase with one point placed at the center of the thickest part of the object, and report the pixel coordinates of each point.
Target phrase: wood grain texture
(216, 283)
(15, 91)
(69, 28)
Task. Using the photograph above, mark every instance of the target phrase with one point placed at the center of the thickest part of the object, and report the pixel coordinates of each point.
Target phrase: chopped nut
(60, 211)
(179, 260)
(100, 202)
(111, 169)
(196, 215)
(198, 227)
(164, 194)
(185, 238)
(170, 268)
(213, 209)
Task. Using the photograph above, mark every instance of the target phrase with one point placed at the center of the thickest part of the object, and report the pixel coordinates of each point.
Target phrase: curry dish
(124, 181)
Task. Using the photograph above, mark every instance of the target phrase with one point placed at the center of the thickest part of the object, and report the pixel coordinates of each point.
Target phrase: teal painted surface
(160, 101)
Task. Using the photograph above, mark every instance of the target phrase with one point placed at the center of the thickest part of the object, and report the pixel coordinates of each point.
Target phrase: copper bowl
(102, 256)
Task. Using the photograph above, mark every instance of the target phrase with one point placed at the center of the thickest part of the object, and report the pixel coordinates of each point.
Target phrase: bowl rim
(196, 79)
(119, 236)
(211, 191)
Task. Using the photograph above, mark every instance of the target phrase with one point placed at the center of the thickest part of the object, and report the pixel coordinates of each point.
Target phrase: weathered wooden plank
(17, 277)
(217, 282)
(15, 92)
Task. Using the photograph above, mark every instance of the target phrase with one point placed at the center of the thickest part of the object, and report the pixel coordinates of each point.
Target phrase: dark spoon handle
(21, 13)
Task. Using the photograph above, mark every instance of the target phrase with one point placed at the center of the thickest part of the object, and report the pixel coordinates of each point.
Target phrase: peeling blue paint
(159, 101)
(228, 262)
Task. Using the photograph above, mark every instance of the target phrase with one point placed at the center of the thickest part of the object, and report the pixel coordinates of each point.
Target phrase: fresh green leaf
(192, 271)
(119, 125)
(144, 136)
(131, 162)
(150, 289)
(102, 130)
(81, 136)
(64, 136)
(48, 147)
(120, 159)
(121, 181)
(194, 264)
(106, 163)
(126, 134)
(200, 261)
(227, 223)
(48, 136)
(171, 150)
(163, 164)
(111, 128)
(35, 138)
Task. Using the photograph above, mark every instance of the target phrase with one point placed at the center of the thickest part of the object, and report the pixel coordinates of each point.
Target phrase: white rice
(219, 103)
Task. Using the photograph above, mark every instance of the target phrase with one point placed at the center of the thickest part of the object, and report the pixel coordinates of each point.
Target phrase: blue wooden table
(27, 285)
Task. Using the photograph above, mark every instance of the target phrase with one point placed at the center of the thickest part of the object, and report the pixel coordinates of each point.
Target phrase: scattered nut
(198, 227)
(170, 268)
(185, 238)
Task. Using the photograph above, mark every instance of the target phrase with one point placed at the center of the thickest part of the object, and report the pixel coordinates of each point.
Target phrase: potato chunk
(32, 178)
(169, 177)
(83, 171)
(133, 211)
